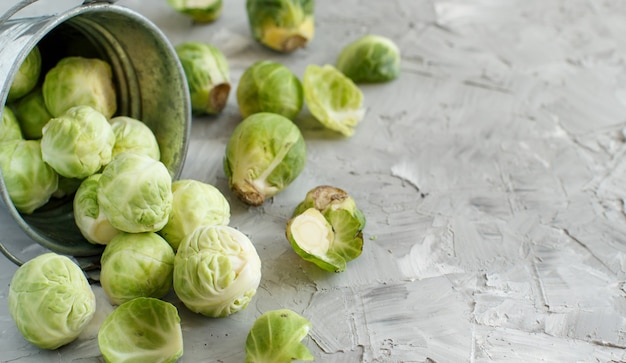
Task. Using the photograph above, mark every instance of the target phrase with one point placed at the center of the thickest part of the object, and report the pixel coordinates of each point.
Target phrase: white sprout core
(312, 233)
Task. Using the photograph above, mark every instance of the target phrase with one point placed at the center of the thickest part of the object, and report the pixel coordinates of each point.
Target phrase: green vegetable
(194, 204)
(371, 58)
(207, 72)
(265, 153)
(200, 11)
(216, 271)
(275, 337)
(27, 75)
(78, 81)
(78, 143)
(32, 114)
(142, 330)
(333, 99)
(29, 181)
(282, 25)
(134, 135)
(88, 214)
(327, 228)
(10, 127)
(50, 300)
(268, 86)
(135, 193)
(136, 265)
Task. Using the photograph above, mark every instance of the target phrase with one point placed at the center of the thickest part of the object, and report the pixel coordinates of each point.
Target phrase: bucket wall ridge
(17, 38)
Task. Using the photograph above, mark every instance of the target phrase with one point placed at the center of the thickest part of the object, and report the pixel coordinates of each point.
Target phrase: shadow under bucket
(150, 85)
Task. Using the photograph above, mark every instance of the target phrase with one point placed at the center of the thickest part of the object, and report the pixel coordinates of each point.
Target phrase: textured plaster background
(492, 174)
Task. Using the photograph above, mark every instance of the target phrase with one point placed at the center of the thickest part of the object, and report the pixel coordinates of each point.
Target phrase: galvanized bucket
(151, 86)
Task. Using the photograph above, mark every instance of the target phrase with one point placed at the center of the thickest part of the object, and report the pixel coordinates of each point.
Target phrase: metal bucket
(151, 87)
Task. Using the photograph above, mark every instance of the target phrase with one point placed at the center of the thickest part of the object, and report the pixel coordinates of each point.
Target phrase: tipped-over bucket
(150, 85)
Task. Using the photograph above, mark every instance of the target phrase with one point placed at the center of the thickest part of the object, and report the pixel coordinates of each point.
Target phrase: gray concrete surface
(491, 172)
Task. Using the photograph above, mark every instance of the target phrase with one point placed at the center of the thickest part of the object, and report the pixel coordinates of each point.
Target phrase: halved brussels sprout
(27, 76)
(50, 300)
(134, 135)
(89, 217)
(32, 114)
(10, 127)
(327, 228)
(265, 153)
(136, 265)
(135, 193)
(29, 181)
(78, 81)
(194, 204)
(333, 99)
(78, 143)
(268, 86)
(275, 337)
(216, 271)
(200, 11)
(207, 72)
(142, 330)
(371, 58)
(282, 25)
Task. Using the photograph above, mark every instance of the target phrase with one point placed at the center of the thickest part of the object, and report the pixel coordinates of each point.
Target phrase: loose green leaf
(275, 337)
(333, 99)
(142, 330)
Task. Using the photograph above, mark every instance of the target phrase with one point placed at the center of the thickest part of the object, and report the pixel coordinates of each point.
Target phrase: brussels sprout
(268, 86)
(142, 330)
(29, 181)
(275, 337)
(282, 25)
(135, 193)
(216, 271)
(78, 143)
(134, 135)
(333, 99)
(32, 114)
(265, 153)
(50, 300)
(136, 265)
(27, 76)
(10, 127)
(78, 81)
(200, 11)
(327, 228)
(207, 72)
(371, 58)
(194, 204)
(88, 215)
